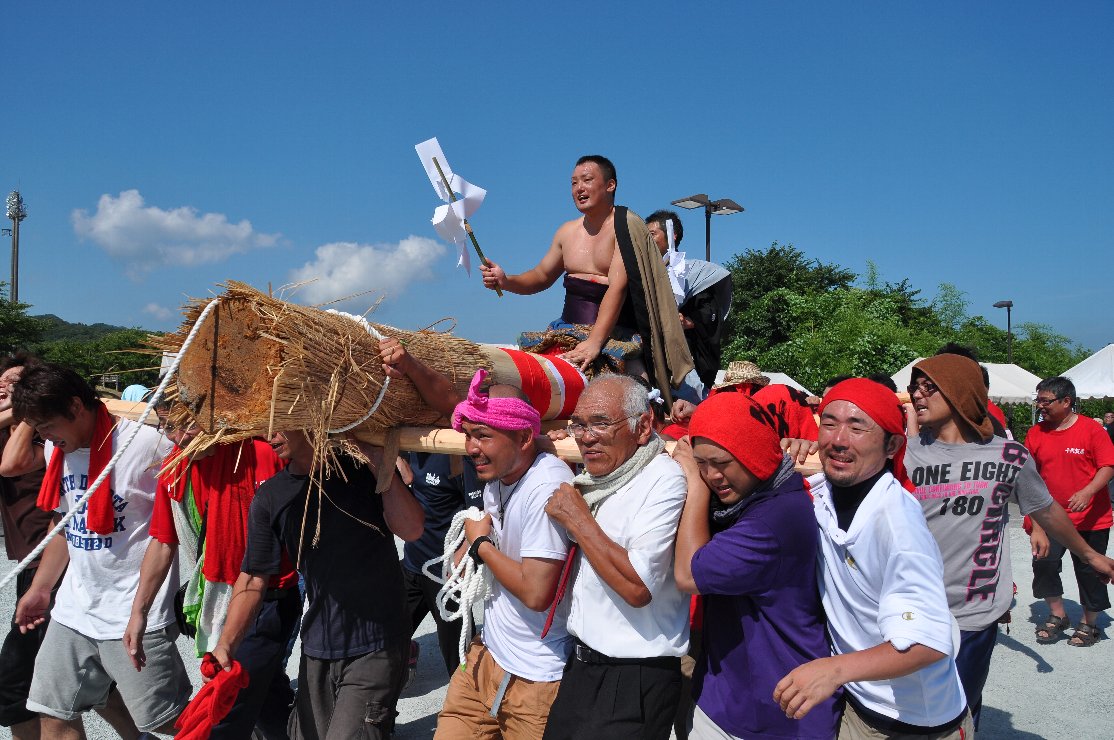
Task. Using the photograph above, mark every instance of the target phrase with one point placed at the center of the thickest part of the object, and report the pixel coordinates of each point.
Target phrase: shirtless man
(584, 250)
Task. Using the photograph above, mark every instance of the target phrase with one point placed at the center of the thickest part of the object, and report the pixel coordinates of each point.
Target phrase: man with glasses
(964, 476)
(1076, 460)
(510, 674)
(629, 619)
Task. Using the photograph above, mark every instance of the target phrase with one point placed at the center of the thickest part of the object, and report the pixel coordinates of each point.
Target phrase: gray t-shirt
(964, 489)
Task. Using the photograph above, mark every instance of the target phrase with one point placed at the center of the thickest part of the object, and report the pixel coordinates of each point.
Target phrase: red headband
(881, 405)
(736, 423)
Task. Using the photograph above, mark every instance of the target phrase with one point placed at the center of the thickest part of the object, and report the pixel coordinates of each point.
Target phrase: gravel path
(1034, 691)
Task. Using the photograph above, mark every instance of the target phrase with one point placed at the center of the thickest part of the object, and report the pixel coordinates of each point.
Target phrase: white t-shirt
(642, 518)
(95, 598)
(512, 631)
(883, 581)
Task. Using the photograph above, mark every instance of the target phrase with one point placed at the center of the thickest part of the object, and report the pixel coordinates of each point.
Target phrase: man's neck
(952, 433)
(520, 469)
(1067, 422)
(300, 465)
(595, 219)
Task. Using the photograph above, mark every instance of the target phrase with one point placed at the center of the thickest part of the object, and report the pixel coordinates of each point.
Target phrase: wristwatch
(474, 550)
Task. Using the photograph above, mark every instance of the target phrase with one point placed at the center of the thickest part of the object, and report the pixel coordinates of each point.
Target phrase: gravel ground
(1034, 691)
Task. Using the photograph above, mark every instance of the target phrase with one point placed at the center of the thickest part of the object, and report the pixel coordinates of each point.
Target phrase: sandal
(1085, 635)
(1053, 629)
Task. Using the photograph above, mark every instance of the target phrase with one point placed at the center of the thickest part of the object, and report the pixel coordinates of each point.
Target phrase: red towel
(213, 702)
(223, 487)
(99, 512)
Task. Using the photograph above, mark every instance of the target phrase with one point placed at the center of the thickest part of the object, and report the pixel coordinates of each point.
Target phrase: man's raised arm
(535, 280)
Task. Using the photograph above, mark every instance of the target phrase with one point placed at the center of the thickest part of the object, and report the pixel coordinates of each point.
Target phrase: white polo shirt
(883, 581)
(642, 518)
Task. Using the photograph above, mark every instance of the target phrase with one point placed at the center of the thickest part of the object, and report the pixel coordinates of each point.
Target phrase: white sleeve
(654, 528)
(541, 536)
(913, 607)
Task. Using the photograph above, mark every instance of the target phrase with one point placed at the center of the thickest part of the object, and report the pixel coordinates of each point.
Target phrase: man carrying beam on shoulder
(619, 308)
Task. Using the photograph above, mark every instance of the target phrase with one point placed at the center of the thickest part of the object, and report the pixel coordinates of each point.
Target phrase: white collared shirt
(641, 517)
(883, 581)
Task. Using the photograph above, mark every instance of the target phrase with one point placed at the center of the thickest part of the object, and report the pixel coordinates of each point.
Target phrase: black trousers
(17, 662)
(616, 702)
(1046, 573)
(421, 599)
(266, 702)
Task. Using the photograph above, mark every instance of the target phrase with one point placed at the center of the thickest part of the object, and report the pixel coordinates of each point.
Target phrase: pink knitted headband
(498, 413)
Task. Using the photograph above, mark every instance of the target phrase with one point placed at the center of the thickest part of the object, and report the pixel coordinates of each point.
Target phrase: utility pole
(16, 212)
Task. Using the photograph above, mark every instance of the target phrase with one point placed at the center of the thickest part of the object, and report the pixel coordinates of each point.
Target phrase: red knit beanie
(739, 425)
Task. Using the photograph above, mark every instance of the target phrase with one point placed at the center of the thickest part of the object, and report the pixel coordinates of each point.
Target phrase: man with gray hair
(629, 619)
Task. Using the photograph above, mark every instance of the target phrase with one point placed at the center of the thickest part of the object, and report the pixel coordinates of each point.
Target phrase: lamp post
(1008, 305)
(721, 207)
(16, 212)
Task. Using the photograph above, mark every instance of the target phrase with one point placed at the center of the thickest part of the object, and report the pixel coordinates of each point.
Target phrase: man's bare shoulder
(569, 231)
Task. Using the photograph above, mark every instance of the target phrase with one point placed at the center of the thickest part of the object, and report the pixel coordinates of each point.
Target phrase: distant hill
(57, 328)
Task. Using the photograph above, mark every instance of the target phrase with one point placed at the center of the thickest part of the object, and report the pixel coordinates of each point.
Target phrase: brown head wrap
(960, 382)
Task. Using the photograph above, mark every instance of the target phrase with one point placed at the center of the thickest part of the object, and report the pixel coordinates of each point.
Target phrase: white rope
(155, 398)
(386, 380)
(464, 583)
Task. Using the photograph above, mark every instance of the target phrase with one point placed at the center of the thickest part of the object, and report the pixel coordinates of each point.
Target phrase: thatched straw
(261, 364)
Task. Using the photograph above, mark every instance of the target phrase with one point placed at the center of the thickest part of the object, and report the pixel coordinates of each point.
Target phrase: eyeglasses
(597, 428)
(926, 387)
(1042, 402)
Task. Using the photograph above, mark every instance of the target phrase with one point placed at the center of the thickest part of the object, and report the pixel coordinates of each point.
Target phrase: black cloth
(441, 496)
(266, 702)
(847, 499)
(705, 338)
(1046, 572)
(1110, 430)
(421, 599)
(615, 702)
(355, 599)
(17, 662)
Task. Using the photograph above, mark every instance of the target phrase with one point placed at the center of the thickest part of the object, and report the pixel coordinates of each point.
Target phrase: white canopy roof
(776, 378)
(1094, 377)
(1008, 383)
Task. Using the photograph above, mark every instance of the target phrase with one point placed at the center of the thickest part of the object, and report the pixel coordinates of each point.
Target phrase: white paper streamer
(449, 219)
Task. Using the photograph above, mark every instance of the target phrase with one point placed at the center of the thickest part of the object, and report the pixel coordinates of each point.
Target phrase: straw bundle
(261, 364)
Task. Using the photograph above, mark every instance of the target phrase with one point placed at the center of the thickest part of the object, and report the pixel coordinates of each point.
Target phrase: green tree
(17, 329)
(111, 353)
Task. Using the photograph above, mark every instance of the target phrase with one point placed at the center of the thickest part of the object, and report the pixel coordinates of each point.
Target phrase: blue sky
(163, 149)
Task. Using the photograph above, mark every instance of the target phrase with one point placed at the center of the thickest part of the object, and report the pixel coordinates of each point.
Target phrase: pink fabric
(497, 413)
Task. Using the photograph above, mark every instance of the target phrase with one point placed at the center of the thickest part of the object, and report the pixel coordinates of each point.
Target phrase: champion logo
(908, 616)
(432, 479)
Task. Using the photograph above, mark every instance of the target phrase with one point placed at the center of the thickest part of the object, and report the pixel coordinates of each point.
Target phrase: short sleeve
(912, 605)
(1104, 448)
(1030, 489)
(740, 560)
(651, 550)
(547, 538)
(162, 518)
(263, 554)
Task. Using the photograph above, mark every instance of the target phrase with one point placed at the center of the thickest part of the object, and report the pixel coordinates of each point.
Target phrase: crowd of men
(708, 590)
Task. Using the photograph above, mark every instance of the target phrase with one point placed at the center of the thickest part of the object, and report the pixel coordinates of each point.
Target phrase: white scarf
(596, 489)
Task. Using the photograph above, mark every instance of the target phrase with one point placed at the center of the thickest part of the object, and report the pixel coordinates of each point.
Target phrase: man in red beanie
(881, 583)
(750, 545)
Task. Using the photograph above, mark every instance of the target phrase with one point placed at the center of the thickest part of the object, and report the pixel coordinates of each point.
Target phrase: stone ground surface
(1034, 691)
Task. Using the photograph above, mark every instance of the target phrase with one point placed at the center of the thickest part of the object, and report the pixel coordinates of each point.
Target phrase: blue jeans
(973, 664)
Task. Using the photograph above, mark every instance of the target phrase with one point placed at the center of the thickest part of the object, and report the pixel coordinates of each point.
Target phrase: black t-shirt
(355, 599)
(441, 496)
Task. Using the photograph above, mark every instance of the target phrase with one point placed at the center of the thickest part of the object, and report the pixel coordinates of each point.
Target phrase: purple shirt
(762, 616)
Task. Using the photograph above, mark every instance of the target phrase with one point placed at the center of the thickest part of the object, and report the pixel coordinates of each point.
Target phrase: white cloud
(341, 269)
(147, 237)
(161, 313)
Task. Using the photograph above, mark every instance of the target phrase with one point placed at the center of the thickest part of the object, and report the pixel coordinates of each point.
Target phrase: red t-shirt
(997, 413)
(790, 407)
(266, 464)
(1068, 460)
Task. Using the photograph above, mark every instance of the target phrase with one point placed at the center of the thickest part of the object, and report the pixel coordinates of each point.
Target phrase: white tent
(1094, 377)
(776, 378)
(1008, 383)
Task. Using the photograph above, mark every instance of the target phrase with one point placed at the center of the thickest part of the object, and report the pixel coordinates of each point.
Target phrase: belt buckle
(583, 653)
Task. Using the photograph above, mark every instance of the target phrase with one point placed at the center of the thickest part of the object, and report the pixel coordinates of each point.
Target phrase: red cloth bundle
(213, 702)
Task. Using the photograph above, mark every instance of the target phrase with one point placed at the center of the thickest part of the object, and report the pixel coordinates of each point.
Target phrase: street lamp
(721, 207)
(1008, 305)
(16, 212)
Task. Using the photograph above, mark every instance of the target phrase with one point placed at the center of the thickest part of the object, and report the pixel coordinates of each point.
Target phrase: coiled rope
(465, 583)
(155, 398)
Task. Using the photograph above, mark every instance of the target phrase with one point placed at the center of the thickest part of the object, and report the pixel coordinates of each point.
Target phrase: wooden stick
(467, 226)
